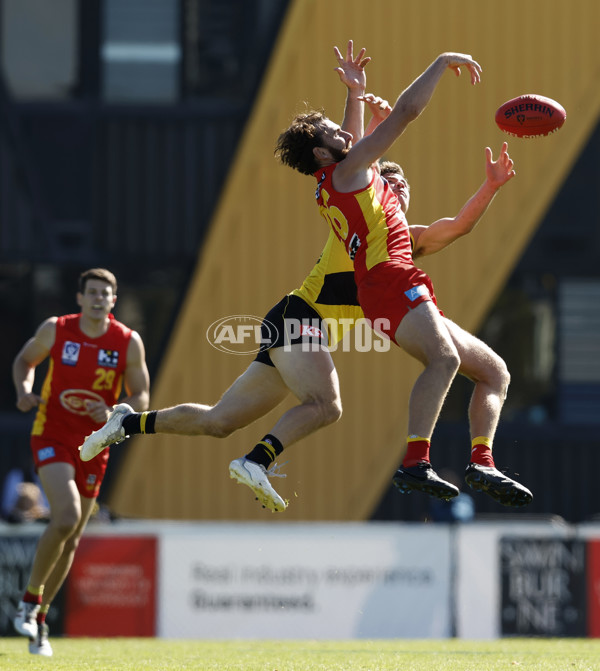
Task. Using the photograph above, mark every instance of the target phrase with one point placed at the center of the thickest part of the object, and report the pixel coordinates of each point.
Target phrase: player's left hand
(500, 171)
(352, 70)
(379, 108)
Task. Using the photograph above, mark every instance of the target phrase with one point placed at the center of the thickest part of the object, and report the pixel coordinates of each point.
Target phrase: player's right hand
(456, 61)
(352, 70)
(29, 401)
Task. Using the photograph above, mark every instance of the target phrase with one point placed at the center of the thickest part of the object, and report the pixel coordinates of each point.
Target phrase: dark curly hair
(295, 145)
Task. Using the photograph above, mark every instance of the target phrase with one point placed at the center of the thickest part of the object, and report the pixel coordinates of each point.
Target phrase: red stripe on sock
(32, 598)
(417, 451)
(482, 455)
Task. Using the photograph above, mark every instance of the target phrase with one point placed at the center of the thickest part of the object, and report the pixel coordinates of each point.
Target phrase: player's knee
(72, 543)
(330, 411)
(449, 362)
(334, 411)
(66, 522)
(503, 377)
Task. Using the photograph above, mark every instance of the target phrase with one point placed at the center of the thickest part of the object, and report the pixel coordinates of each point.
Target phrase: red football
(530, 116)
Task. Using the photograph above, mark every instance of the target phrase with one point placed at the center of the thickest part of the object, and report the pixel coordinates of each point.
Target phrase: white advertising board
(317, 581)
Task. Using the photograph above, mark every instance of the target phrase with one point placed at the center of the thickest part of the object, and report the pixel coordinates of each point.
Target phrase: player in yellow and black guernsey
(288, 366)
(321, 311)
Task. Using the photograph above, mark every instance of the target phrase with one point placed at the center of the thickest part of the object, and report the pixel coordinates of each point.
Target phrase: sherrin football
(530, 116)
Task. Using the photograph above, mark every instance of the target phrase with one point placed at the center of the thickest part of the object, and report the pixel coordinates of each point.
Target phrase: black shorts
(290, 322)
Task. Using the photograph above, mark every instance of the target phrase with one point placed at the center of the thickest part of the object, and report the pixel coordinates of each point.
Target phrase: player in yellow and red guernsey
(377, 239)
(92, 357)
(366, 216)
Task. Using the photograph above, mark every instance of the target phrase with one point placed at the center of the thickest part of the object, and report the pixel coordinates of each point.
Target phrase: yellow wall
(266, 234)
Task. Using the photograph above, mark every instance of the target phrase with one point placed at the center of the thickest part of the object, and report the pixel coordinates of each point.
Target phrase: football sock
(417, 451)
(481, 451)
(41, 616)
(139, 422)
(265, 451)
(33, 594)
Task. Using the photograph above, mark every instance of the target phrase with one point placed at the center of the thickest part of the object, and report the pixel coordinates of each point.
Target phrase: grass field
(132, 654)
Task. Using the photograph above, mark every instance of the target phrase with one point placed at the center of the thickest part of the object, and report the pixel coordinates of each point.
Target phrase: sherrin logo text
(528, 107)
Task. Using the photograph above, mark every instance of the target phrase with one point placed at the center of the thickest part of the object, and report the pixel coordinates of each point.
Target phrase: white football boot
(110, 434)
(39, 645)
(25, 619)
(254, 476)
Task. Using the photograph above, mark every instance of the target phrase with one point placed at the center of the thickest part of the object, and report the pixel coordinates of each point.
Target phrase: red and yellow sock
(417, 451)
(33, 594)
(481, 451)
(43, 611)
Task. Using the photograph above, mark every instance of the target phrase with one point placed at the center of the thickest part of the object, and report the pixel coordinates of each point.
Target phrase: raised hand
(352, 70)
(500, 171)
(456, 61)
(379, 108)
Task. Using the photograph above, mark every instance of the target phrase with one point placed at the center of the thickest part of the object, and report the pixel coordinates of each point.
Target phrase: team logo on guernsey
(415, 292)
(77, 400)
(109, 358)
(70, 353)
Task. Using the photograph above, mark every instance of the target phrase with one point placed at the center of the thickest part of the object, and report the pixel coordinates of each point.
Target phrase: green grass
(133, 654)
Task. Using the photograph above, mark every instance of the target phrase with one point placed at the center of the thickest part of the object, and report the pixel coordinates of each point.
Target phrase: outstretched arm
(431, 239)
(352, 73)
(409, 105)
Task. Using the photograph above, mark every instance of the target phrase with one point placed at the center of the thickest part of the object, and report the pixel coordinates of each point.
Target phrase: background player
(92, 356)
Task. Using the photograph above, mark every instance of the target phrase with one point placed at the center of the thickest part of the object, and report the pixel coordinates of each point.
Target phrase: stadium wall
(266, 235)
